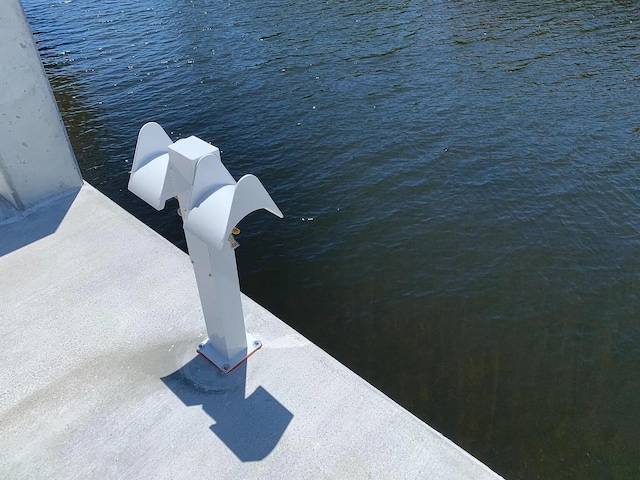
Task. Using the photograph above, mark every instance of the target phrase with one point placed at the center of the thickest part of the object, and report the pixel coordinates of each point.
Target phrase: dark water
(461, 185)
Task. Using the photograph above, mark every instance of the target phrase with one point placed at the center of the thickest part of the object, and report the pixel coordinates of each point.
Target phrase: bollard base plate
(226, 365)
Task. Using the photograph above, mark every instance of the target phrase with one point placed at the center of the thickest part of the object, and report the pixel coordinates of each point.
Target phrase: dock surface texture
(100, 321)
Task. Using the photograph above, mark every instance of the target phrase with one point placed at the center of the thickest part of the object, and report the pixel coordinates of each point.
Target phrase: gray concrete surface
(100, 319)
(36, 160)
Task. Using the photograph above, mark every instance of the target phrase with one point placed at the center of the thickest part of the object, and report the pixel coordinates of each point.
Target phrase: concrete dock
(100, 318)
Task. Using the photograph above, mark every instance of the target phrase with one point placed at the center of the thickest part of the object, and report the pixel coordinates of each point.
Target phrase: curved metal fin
(149, 170)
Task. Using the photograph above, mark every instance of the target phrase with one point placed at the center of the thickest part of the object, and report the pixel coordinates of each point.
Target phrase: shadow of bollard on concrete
(250, 427)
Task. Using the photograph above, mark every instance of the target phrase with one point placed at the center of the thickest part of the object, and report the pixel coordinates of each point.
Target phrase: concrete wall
(36, 159)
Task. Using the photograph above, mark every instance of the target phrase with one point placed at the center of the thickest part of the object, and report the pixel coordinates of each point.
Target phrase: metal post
(211, 203)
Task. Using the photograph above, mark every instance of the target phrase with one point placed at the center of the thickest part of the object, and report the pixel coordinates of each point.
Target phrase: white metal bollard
(211, 203)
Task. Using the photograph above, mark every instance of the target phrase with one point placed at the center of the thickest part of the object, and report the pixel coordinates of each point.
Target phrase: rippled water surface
(461, 185)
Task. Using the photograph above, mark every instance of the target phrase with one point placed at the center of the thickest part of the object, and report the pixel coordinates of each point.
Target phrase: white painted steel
(149, 170)
(211, 205)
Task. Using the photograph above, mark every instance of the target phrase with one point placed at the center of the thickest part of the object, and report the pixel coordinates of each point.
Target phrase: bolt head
(226, 366)
(201, 346)
(256, 343)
